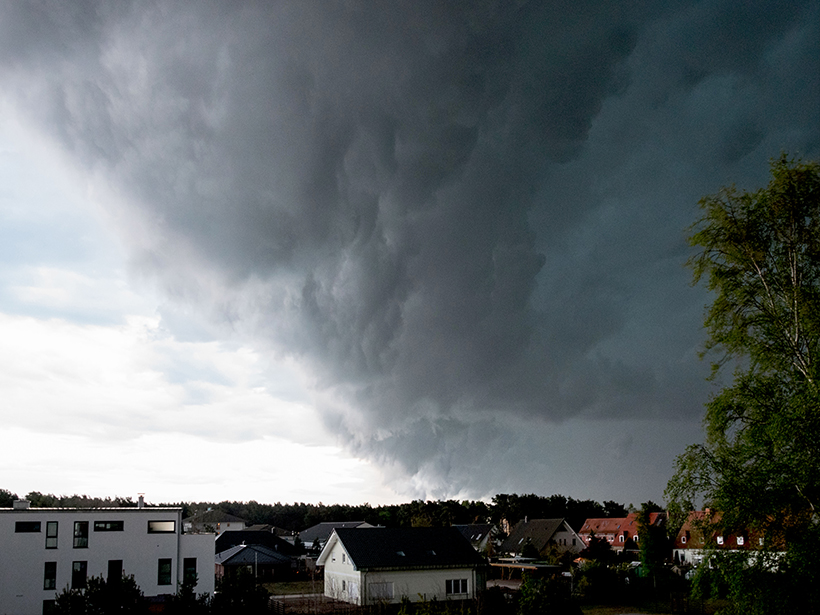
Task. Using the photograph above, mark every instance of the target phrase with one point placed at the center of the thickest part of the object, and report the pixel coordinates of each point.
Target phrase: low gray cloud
(460, 217)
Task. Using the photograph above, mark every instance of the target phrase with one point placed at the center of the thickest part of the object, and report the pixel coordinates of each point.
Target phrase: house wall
(344, 582)
(24, 555)
(564, 538)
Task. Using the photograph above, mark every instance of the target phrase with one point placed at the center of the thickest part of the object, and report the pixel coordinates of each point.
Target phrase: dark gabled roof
(322, 531)
(537, 532)
(411, 547)
(474, 532)
(241, 555)
(227, 540)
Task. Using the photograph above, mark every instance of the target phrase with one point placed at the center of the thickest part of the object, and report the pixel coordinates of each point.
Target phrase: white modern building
(45, 550)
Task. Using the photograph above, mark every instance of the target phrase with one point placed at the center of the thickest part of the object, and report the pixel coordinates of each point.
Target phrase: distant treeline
(299, 516)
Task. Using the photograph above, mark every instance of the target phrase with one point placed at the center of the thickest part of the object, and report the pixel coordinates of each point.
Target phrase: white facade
(344, 582)
(45, 550)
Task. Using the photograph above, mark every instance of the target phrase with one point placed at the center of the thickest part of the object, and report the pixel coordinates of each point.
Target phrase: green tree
(653, 545)
(759, 254)
(7, 498)
(101, 597)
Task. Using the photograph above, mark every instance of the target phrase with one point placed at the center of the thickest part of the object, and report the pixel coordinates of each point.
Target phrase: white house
(213, 522)
(45, 550)
(369, 566)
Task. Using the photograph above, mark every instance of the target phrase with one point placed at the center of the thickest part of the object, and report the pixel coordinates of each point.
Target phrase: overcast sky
(371, 251)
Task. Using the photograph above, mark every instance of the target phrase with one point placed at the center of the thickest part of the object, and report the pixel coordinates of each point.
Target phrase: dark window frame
(455, 587)
(152, 525)
(114, 564)
(28, 527)
(79, 574)
(81, 534)
(50, 575)
(51, 539)
(109, 526)
(165, 569)
(189, 570)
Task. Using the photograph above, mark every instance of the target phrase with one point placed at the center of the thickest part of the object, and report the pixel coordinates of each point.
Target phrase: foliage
(186, 602)
(101, 597)
(440, 513)
(653, 545)
(7, 498)
(598, 549)
(545, 596)
(239, 593)
(759, 253)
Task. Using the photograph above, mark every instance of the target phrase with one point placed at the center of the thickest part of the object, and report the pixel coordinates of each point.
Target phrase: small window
(161, 527)
(189, 570)
(683, 540)
(760, 541)
(109, 526)
(79, 573)
(343, 558)
(51, 535)
(455, 586)
(720, 540)
(81, 534)
(50, 576)
(573, 541)
(164, 572)
(740, 540)
(344, 585)
(114, 570)
(26, 527)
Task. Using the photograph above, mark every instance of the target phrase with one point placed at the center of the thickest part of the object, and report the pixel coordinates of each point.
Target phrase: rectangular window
(189, 570)
(740, 540)
(108, 526)
(81, 534)
(79, 573)
(51, 535)
(164, 572)
(114, 570)
(50, 576)
(455, 586)
(26, 527)
(720, 540)
(161, 527)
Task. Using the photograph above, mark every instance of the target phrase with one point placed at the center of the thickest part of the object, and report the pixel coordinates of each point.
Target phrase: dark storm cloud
(451, 212)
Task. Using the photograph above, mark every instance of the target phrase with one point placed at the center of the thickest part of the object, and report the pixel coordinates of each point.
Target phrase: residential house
(226, 540)
(618, 531)
(319, 534)
(213, 522)
(480, 536)
(386, 565)
(48, 549)
(540, 534)
(693, 541)
(265, 564)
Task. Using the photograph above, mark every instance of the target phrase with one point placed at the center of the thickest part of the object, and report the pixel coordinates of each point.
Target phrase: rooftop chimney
(141, 501)
(21, 505)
